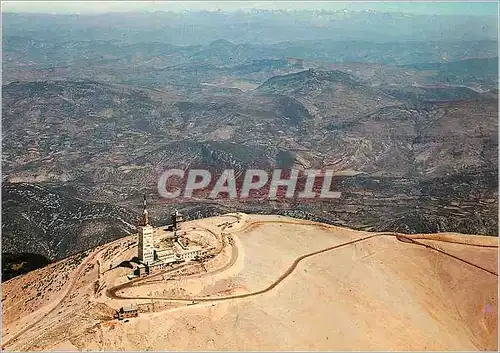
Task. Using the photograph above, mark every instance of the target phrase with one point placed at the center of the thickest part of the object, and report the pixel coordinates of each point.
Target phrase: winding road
(57, 304)
(112, 292)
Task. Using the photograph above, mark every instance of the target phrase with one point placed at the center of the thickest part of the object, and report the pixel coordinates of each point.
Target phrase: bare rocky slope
(315, 286)
(109, 143)
(93, 111)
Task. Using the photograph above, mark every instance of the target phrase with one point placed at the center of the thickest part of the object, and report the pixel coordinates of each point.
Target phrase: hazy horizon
(476, 8)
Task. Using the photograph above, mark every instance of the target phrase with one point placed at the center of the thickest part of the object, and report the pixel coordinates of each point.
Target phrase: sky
(480, 8)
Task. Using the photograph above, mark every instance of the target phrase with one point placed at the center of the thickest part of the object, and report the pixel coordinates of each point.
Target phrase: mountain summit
(309, 78)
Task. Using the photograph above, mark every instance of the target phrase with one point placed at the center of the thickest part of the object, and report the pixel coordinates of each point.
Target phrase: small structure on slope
(126, 312)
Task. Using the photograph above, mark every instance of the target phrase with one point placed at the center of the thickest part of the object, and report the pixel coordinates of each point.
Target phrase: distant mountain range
(260, 27)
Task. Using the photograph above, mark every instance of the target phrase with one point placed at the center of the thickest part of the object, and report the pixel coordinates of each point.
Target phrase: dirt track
(112, 292)
(58, 303)
(254, 279)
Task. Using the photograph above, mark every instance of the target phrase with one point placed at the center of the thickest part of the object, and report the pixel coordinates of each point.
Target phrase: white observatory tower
(146, 247)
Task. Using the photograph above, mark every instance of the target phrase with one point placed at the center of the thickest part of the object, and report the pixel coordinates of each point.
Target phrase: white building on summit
(176, 249)
(146, 247)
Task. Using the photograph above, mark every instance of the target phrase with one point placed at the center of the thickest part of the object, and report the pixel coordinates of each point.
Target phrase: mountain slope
(111, 143)
(482, 71)
(284, 278)
(41, 220)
